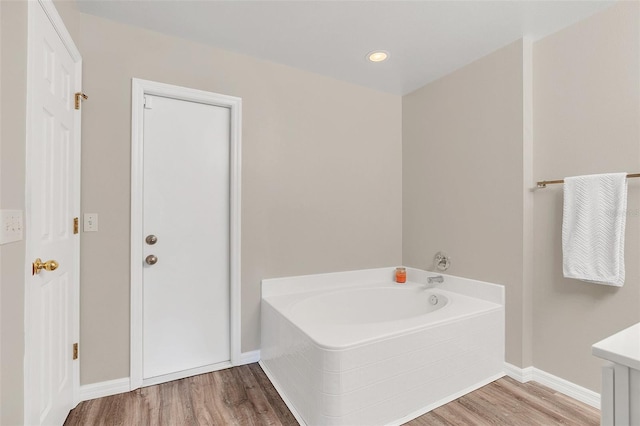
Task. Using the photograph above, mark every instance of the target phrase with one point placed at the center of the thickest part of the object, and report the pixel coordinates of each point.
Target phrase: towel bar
(544, 183)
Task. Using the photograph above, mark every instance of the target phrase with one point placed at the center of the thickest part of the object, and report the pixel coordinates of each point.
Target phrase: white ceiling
(426, 39)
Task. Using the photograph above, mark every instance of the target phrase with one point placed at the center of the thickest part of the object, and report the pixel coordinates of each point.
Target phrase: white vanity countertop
(622, 348)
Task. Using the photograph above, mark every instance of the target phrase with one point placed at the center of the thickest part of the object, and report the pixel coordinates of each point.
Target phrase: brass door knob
(38, 265)
(151, 259)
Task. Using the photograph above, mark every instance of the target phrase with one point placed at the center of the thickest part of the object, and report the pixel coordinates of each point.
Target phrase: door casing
(65, 37)
(140, 88)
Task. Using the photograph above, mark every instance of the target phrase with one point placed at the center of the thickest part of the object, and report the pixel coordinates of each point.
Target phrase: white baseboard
(113, 387)
(102, 389)
(522, 375)
(556, 383)
(249, 357)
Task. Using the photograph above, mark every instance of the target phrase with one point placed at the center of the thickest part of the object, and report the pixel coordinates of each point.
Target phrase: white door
(186, 211)
(52, 203)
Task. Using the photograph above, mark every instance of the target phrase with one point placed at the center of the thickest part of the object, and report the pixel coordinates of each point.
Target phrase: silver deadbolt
(152, 259)
(151, 239)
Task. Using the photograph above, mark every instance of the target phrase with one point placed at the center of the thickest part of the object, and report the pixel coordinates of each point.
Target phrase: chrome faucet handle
(442, 261)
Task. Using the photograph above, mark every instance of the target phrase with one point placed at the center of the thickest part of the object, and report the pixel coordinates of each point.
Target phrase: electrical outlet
(11, 226)
(90, 222)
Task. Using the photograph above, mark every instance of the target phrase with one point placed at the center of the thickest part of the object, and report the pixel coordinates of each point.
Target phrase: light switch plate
(11, 226)
(90, 222)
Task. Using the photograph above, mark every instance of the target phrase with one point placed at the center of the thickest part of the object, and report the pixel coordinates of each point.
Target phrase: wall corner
(528, 200)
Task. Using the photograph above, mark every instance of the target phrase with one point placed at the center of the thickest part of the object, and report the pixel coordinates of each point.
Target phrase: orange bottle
(401, 275)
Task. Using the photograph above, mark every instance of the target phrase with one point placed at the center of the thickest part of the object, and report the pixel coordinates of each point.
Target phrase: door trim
(139, 88)
(65, 37)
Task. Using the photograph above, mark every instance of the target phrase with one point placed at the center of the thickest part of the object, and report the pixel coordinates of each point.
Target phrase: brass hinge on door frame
(80, 97)
(75, 351)
(75, 225)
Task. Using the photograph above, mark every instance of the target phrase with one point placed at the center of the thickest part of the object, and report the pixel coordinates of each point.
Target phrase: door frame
(67, 41)
(140, 88)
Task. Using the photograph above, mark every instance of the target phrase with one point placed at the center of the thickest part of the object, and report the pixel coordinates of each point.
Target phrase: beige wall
(586, 120)
(321, 181)
(13, 56)
(68, 11)
(463, 177)
(473, 141)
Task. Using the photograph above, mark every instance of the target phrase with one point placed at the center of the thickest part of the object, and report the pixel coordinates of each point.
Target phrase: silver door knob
(151, 239)
(152, 259)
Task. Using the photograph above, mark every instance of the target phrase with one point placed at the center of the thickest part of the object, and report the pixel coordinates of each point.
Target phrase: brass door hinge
(75, 225)
(80, 97)
(75, 351)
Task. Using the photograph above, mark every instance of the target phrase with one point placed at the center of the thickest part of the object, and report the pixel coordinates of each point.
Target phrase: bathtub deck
(244, 396)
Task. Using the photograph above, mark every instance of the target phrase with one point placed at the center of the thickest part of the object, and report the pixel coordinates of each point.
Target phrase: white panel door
(52, 203)
(186, 207)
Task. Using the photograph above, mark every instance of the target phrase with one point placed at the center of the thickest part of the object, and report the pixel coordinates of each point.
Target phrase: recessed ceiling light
(378, 56)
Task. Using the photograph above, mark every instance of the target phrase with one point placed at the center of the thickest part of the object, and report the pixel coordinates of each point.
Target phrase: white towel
(593, 224)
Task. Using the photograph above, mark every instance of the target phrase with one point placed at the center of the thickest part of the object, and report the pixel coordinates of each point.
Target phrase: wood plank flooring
(245, 396)
(508, 402)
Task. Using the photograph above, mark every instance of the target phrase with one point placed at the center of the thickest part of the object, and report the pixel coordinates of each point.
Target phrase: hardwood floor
(235, 396)
(508, 402)
(244, 396)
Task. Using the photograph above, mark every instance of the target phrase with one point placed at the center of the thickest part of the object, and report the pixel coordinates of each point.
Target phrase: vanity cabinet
(620, 400)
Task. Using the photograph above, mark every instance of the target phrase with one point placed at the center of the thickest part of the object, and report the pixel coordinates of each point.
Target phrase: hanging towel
(593, 225)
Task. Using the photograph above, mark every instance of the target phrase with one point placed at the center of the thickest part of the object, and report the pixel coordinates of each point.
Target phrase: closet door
(186, 315)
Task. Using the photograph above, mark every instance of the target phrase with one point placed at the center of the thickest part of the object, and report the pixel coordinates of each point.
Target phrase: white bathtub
(355, 348)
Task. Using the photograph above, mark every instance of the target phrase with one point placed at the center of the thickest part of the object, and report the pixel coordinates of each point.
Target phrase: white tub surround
(356, 348)
(620, 377)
